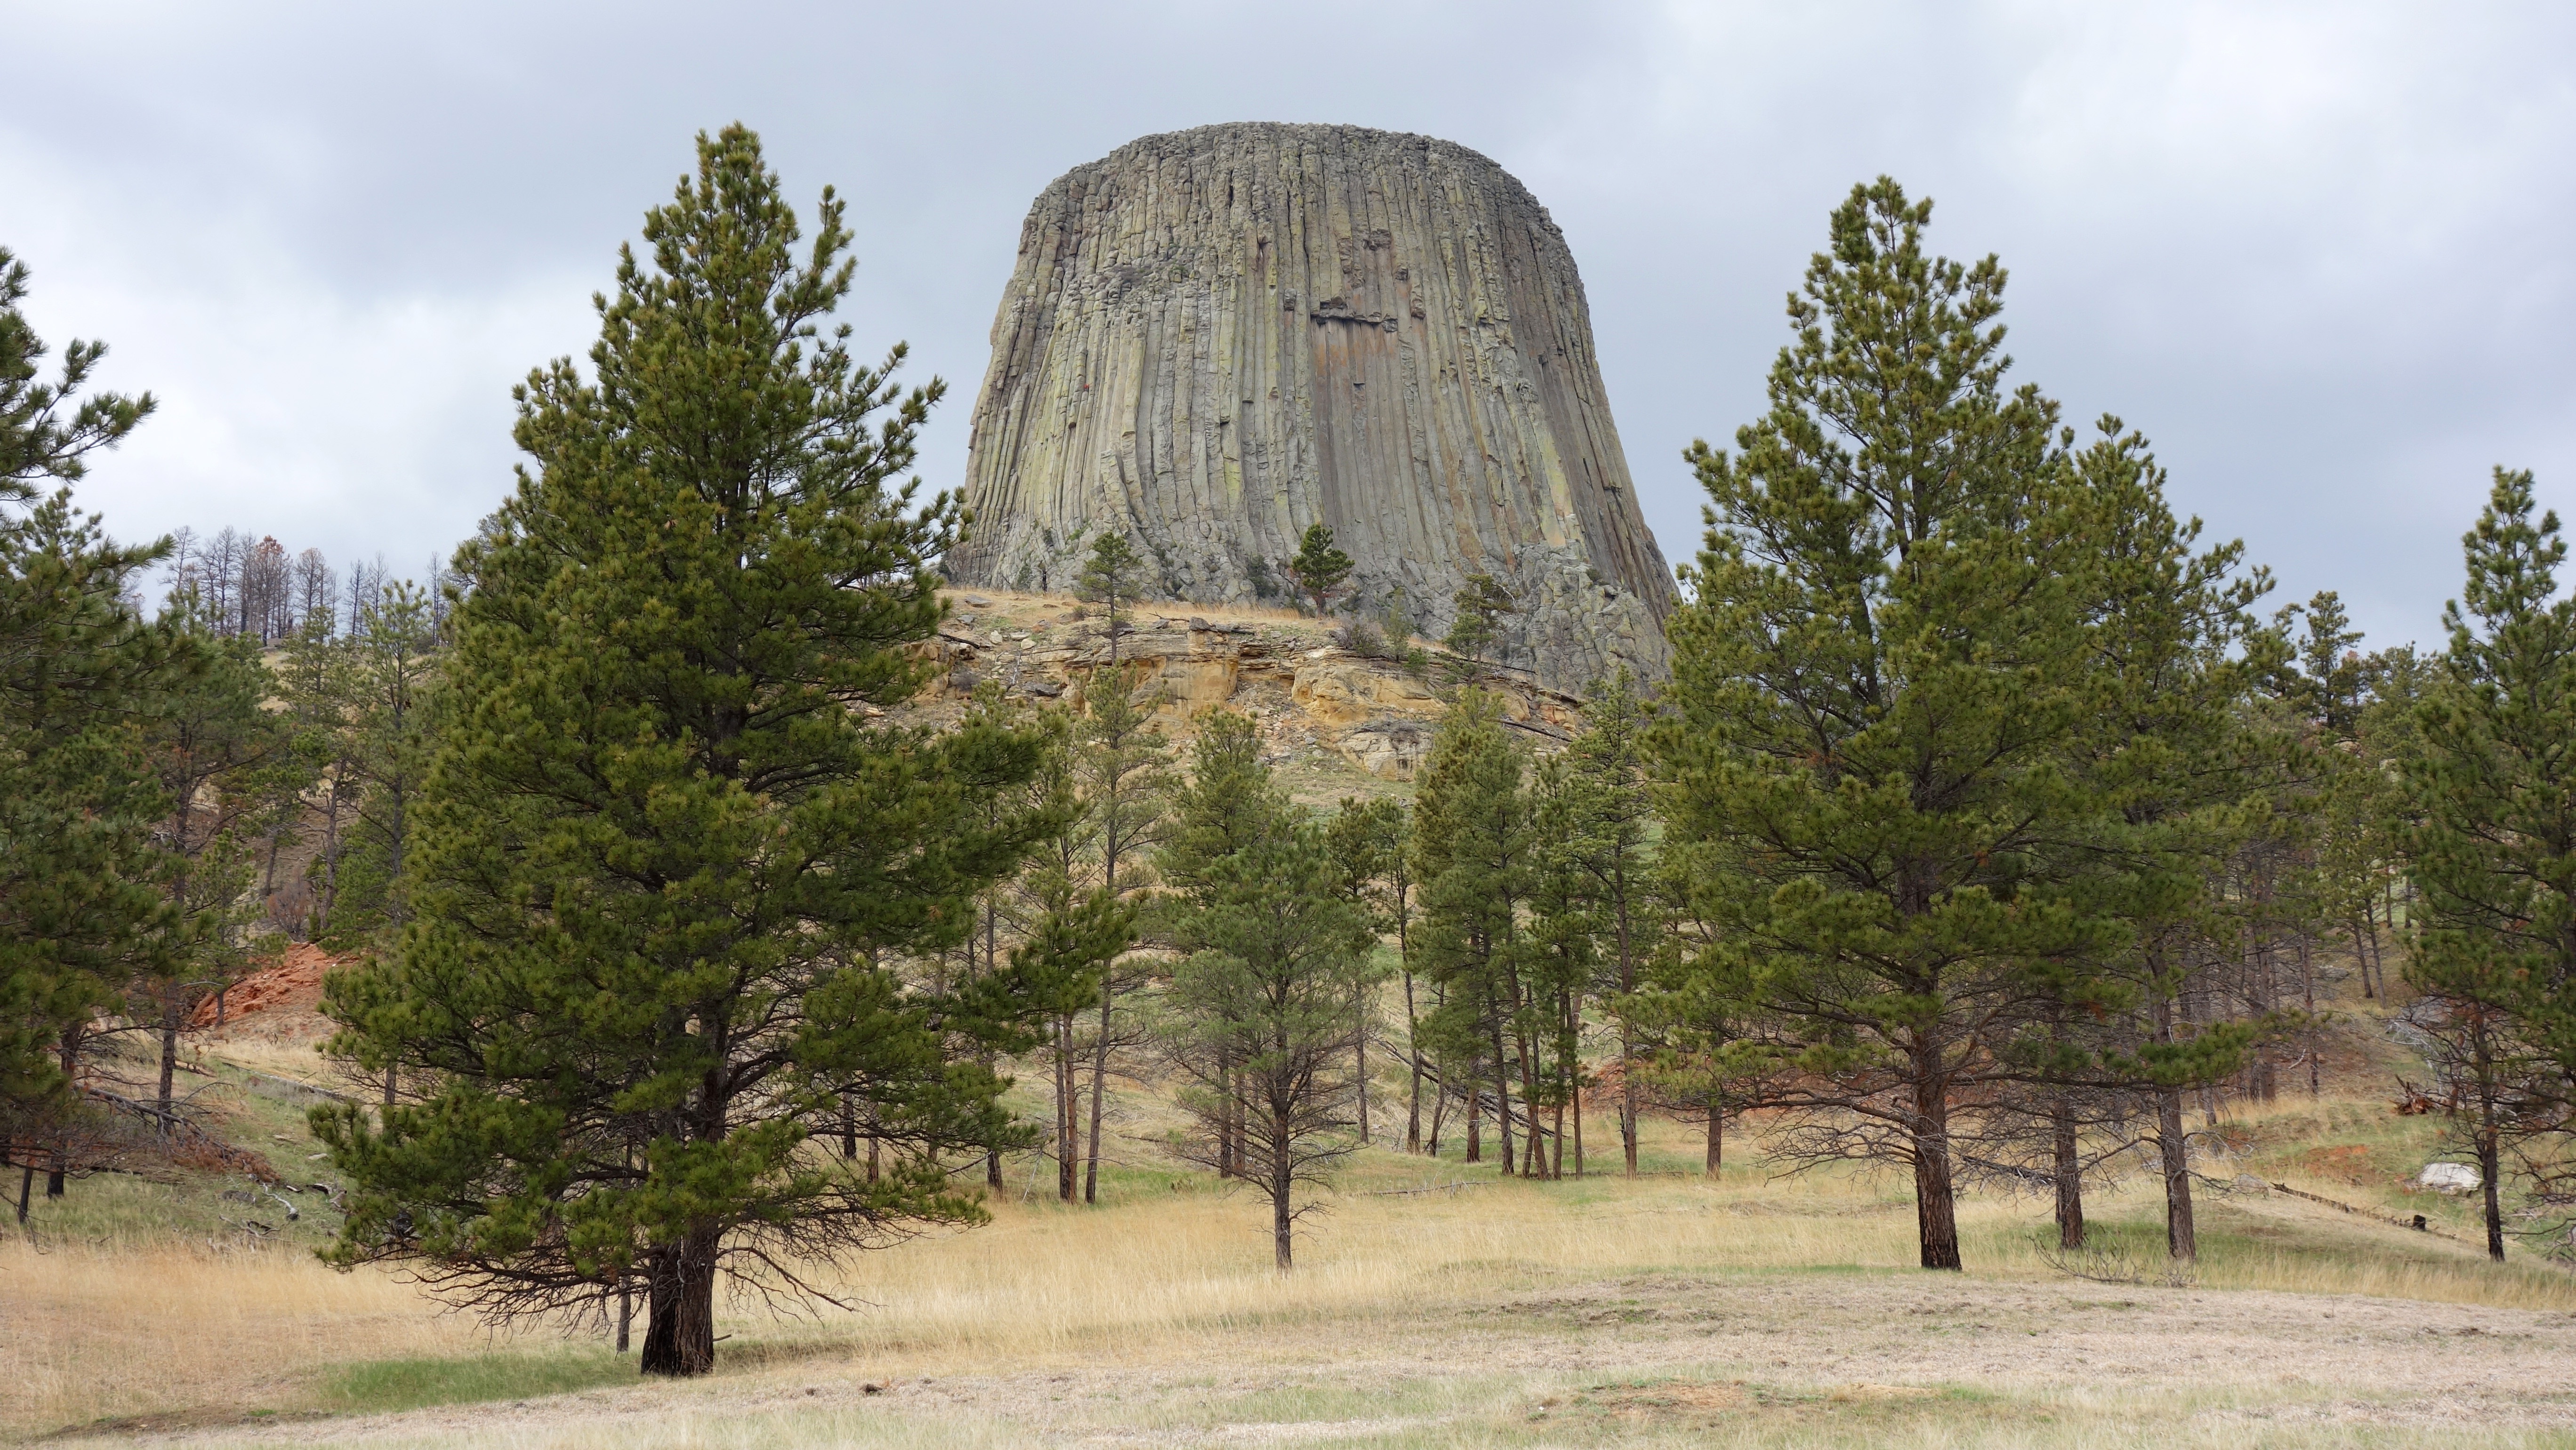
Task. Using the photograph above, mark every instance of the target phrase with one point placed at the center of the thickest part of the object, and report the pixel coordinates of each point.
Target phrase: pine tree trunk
(1282, 1184)
(680, 1335)
(2487, 1165)
(2171, 1142)
(992, 1157)
(1068, 1112)
(2181, 1242)
(169, 1056)
(26, 1185)
(1413, 1049)
(56, 1172)
(2265, 1086)
(1716, 1136)
(625, 1309)
(2308, 989)
(1534, 1155)
(2364, 936)
(2070, 1177)
(1627, 1035)
(1226, 1164)
(1242, 1128)
(1360, 1045)
(1099, 1092)
(1578, 1132)
(1503, 1097)
(1572, 1086)
(1935, 1200)
(2488, 1136)
(330, 865)
(1470, 1102)
(1439, 1114)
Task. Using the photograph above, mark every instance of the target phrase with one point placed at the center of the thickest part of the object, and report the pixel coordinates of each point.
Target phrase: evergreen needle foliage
(1883, 686)
(1265, 1005)
(1479, 623)
(1113, 576)
(671, 877)
(1319, 567)
(2493, 846)
(85, 911)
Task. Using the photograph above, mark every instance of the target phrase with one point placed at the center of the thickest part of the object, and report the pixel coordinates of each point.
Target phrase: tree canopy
(671, 866)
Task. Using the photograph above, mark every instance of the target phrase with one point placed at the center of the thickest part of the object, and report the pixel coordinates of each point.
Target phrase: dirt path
(1623, 1361)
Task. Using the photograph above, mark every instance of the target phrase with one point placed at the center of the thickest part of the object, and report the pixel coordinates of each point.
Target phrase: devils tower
(1215, 338)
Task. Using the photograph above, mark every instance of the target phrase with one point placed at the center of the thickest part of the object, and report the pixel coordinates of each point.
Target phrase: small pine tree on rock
(1320, 569)
(1481, 607)
(1111, 577)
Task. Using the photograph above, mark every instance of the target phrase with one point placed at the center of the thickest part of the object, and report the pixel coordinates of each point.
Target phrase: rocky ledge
(1314, 700)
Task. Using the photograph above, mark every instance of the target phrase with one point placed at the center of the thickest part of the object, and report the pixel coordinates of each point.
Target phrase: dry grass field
(1663, 1310)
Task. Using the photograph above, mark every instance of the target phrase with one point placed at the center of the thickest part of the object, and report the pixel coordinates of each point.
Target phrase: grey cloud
(2316, 252)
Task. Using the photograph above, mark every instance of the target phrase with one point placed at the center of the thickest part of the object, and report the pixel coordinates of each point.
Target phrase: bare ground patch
(1631, 1360)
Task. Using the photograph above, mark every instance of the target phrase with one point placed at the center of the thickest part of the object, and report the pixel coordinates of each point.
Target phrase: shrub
(1362, 637)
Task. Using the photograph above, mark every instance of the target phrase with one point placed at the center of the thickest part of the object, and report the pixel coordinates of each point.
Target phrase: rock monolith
(1215, 338)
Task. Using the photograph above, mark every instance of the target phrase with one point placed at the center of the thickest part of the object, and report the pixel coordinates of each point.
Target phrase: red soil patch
(293, 980)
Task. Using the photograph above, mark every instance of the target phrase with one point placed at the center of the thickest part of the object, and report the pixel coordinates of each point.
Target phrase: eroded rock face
(1215, 338)
(1300, 690)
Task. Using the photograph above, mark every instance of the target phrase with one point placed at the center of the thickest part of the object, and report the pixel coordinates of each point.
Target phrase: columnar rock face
(1215, 338)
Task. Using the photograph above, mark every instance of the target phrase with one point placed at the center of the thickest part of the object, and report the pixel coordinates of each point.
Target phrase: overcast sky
(2320, 254)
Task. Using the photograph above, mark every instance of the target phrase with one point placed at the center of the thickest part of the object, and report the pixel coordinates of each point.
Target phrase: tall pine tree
(2493, 849)
(671, 864)
(1876, 683)
(84, 910)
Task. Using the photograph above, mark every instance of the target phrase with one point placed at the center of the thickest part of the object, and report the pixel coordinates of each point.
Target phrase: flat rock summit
(1215, 338)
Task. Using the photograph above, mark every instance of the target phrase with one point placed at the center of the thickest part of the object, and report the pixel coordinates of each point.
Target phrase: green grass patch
(411, 1384)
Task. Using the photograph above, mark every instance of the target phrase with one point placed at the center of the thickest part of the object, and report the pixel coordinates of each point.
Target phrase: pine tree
(1478, 626)
(1475, 846)
(2493, 849)
(1265, 1005)
(2178, 777)
(1113, 576)
(316, 680)
(1120, 765)
(83, 904)
(1615, 823)
(1566, 927)
(1697, 1048)
(1370, 842)
(1319, 568)
(392, 725)
(1877, 681)
(43, 436)
(223, 757)
(673, 877)
(85, 912)
(1228, 804)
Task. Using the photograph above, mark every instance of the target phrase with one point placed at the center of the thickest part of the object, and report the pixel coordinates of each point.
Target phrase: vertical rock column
(1215, 338)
